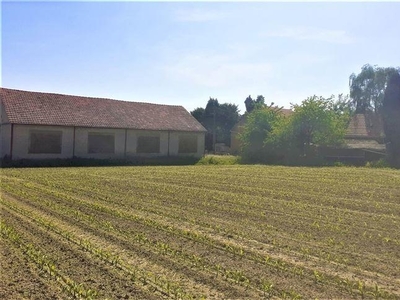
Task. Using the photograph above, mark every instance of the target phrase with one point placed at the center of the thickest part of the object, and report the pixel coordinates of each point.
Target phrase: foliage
(367, 88)
(256, 130)
(219, 160)
(342, 104)
(391, 119)
(249, 103)
(254, 104)
(316, 123)
(198, 113)
(218, 119)
(269, 137)
(382, 163)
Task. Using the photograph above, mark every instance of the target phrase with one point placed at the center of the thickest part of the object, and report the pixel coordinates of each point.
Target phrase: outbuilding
(36, 125)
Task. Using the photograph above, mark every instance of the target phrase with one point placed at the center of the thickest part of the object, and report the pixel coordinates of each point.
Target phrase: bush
(382, 163)
(219, 160)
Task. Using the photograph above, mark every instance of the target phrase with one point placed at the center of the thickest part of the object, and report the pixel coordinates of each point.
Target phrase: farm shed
(364, 140)
(36, 125)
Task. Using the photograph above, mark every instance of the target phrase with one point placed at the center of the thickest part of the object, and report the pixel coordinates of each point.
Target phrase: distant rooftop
(367, 125)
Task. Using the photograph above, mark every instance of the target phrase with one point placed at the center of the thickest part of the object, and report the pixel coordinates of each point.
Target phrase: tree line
(269, 136)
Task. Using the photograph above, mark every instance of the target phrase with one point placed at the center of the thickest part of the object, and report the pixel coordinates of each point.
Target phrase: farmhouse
(36, 125)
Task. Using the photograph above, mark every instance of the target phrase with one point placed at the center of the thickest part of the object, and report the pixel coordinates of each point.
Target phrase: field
(200, 232)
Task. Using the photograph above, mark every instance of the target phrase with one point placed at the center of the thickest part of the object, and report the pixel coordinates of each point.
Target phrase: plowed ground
(200, 232)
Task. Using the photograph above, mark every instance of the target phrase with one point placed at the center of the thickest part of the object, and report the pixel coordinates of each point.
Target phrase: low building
(364, 140)
(36, 125)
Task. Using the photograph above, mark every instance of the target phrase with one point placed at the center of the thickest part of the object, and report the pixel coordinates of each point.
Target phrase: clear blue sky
(182, 53)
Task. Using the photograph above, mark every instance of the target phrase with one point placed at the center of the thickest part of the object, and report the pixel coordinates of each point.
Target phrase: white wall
(174, 143)
(81, 143)
(132, 137)
(5, 133)
(21, 142)
(5, 140)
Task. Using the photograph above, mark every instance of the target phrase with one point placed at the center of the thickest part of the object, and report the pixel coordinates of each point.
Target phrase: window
(101, 143)
(148, 144)
(45, 141)
(187, 144)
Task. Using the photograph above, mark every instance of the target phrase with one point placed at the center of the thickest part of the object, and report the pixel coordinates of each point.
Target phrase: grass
(193, 232)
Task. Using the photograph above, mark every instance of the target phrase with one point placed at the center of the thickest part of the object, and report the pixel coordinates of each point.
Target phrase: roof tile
(37, 108)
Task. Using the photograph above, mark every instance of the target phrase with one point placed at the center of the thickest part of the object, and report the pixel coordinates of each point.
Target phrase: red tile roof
(36, 108)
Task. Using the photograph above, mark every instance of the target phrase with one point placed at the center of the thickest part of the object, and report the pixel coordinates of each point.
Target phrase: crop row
(230, 227)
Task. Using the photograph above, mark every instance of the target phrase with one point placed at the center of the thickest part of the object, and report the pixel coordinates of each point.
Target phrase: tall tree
(391, 120)
(314, 122)
(250, 103)
(218, 119)
(199, 113)
(367, 88)
(342, 104)
(260, 100)
(259, 124)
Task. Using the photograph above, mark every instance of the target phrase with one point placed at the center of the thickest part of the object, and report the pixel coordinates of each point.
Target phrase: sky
(183, 53)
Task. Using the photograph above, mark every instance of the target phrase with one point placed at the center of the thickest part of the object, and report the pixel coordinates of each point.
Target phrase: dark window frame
(187, 144)
(98, 146)
(148, 144)
(45, 141)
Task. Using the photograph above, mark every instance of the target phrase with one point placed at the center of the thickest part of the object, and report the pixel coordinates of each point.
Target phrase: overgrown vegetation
(219, 160)
(270, 137)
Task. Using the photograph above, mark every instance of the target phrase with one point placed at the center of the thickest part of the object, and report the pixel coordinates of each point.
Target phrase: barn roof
(37, 108)
(367, 125)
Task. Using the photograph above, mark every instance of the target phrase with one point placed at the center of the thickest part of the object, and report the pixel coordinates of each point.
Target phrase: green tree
(342, 104)
(314, 122)
(218, 119)
(367, 88)
(228, 116)
(391, 120)
(259, 124)
(199, 113)
(252, 104)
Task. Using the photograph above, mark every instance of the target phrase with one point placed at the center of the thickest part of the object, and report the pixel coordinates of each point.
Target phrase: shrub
(382, 163)
(219, 160)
